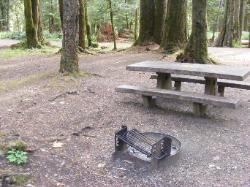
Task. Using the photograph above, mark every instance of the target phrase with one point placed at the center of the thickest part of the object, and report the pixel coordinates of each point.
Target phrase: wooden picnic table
(210, 72)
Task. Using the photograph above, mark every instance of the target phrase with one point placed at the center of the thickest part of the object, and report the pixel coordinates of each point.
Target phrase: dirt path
(41, 107)
(5, 43)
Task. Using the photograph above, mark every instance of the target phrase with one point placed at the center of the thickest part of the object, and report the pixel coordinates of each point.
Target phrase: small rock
(57, 144)
(60, 184)
(30, 185)
(216, 158)
(62, 102)
(211, 166)
(101, 165)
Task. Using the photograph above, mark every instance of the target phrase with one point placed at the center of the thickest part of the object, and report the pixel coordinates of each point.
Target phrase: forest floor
(69, 123)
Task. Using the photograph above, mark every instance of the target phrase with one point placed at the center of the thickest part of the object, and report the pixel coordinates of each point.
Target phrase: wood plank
(183, 96)
(201, 70)
(199, 80)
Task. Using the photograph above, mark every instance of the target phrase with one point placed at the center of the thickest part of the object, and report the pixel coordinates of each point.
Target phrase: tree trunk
(51, 18)
(88, 31)
(197, 50)
(175, 32)
(147, 12)
(136, 24)
(40, 25)
(230, 33)
(4, 15)
(69, 58)
(60, 2)
(160, 15)
(237, 29)
(243, 4)
(81, 25)
(249, 30)
(31, 24)
(112, 23)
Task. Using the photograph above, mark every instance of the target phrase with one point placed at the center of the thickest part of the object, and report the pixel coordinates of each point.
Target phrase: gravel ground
(41, 108)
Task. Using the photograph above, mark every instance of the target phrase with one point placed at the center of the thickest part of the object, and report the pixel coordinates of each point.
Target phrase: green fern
(17, 157)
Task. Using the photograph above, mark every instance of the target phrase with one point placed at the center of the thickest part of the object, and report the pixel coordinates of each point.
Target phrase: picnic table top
(202, 70)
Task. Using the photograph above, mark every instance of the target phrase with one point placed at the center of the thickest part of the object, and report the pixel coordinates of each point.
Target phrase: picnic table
(210, 73)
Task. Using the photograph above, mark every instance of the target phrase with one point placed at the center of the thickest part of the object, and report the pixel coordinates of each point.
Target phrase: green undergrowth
(19, 52)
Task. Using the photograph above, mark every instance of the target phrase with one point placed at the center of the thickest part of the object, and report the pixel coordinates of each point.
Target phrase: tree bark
(60, 2)
(31, 24)
(237, 29)
(112, 23)
(40, 25)
(243, 4)
(88, 30)
(175, 32)
(230, 33)
(82, 32)
(4, 15)
(69, 57)
(136, 25)
(147, 12)
(197, 49)
(160, 15)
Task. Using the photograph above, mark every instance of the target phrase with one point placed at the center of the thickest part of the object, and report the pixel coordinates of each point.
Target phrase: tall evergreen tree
(82, 27)
(197, 49)
(160, 14)
(230, 33)
(147, 12)
(4, 15)
(175, 32)
(69, 57)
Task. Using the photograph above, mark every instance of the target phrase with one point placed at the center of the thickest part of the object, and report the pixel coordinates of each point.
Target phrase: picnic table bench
(228, 77)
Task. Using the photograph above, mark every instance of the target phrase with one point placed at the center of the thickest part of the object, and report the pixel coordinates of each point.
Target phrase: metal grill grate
(151, 147)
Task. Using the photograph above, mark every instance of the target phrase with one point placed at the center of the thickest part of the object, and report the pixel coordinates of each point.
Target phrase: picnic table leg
(221, 90)
(164, 81)
(210, 89)
(177, 85)
(148, 101)
(211, 86)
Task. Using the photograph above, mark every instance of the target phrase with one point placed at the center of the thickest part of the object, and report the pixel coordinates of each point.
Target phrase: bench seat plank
(183, 96)
(199, 80)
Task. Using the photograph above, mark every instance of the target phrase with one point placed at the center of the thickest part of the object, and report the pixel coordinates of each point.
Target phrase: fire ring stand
(155, 146)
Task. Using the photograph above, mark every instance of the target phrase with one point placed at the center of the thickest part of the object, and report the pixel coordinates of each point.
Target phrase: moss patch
(19, 52)
(13, 84)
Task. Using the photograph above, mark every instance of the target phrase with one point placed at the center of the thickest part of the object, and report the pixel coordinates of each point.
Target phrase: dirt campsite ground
(69, 124)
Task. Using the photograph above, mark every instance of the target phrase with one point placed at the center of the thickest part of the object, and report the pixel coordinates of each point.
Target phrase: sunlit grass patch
(19, 52)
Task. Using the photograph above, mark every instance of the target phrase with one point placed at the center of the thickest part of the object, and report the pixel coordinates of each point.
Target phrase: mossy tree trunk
(175, 32)
(69, 57)
(160, 15)
(112, 23)
(197, 49)
(136, 24)
(82, 30)
(60, 2)
(237, 25)
(88, 29)
(147, 12)
(4, 15)
(40, 36)
(31, 23)
(230, 33)
(243, 4)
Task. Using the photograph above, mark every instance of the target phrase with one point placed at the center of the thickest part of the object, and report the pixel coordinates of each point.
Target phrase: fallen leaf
(57, 144)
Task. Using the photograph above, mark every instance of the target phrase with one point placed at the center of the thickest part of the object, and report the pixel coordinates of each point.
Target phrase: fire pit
(147, 146)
